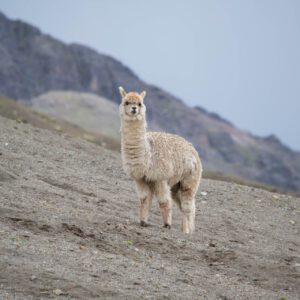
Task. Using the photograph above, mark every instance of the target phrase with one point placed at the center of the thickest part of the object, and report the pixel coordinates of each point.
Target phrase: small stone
(297, 265)
(203, 193)
(224, 297)
(58, 292)
(292, 222)
(143, 224)
(275, 197)
(33, 278)
(6, 144)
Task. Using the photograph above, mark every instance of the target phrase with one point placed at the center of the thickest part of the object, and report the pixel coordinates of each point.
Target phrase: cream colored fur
(162, 164)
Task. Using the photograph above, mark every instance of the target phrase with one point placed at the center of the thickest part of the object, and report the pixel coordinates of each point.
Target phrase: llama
(161, 164)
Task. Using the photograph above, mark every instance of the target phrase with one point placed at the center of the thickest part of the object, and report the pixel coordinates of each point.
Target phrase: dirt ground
(69, 230)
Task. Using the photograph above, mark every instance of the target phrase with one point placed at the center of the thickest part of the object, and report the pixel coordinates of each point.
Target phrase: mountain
(32, 63)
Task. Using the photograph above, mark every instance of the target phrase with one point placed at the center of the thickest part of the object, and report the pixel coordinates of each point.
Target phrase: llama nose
(133, 109)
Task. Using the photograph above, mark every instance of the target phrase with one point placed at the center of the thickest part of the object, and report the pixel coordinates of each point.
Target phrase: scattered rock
(58, 292)
(297, 265)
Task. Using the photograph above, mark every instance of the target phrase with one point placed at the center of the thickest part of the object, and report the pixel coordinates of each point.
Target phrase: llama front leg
(163, 195)
(145, 195)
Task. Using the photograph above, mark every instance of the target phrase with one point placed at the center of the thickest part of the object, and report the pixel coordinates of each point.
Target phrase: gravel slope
(68, 230)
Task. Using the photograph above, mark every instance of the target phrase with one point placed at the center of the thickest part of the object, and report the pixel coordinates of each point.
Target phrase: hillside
(57, 122)
(91, 112)
(69, 231)
(22, 114)
(32, 63)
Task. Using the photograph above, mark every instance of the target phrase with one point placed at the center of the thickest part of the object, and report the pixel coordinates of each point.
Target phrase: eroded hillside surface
(68, 230)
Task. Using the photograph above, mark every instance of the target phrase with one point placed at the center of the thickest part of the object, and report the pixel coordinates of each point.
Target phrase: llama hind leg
(186, 194)
(145, 195)
(188, 218)
(174, 193)
(163, 195)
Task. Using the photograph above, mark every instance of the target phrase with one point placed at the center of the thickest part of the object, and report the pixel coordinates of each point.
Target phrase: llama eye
(140, 104)
(126, 103)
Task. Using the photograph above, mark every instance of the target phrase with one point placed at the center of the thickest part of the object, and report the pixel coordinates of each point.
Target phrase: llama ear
(143, 94)
(122, 92)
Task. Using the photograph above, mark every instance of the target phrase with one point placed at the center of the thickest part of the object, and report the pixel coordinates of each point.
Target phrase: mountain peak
(17, 26)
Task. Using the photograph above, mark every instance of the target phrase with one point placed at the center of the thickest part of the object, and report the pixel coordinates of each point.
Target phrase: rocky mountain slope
(69, 230)
(32, 63)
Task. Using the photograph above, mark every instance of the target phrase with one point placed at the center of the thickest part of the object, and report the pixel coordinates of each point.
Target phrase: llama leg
(163, 195)
(186, 194)
(145, 195)
(188, 218)
(174, 193)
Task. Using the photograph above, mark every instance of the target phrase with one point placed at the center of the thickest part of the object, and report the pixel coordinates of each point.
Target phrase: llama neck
(134, 144)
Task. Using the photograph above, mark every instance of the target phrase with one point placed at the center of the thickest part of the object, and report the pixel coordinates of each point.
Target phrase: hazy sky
(239, 58)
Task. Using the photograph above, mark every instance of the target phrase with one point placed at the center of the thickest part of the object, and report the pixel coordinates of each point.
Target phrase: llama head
(132, 106)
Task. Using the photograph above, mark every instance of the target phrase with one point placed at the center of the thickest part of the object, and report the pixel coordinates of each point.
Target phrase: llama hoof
(143, 224)
(167, 226)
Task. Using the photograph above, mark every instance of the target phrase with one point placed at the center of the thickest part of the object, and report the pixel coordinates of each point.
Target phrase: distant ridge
(89, 111)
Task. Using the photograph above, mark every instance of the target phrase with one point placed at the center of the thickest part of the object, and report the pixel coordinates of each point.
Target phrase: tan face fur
(132, 107)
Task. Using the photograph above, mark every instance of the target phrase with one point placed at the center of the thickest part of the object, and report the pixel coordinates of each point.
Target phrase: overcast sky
(238, 58)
